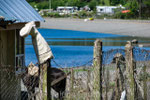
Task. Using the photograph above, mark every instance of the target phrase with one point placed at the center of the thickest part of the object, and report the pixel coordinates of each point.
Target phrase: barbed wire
(82, 65)
(58, 65)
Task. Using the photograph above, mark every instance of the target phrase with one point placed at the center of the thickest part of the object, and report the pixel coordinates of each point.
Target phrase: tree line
(138, 8)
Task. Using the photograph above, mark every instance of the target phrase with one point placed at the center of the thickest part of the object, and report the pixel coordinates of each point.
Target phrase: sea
(75, 48)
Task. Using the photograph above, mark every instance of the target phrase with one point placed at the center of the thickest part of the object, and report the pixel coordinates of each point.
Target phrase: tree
(133, 6)
(145, 9)
(114, 2)
(93, 4)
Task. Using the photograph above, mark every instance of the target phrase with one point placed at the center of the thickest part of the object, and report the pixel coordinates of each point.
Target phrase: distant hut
(14, 14)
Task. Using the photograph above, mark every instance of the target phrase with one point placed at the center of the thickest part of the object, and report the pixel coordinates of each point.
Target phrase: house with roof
(14, 14)
(66, 9)
(107, 9)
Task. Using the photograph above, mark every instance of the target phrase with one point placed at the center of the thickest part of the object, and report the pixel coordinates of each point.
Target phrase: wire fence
(78, 83)
(9, 87)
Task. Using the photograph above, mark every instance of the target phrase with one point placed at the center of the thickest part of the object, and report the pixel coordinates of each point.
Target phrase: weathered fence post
(145, 82)
(119, 76)
(97, 82)
(119, 85)
(107, 83)
(72, 84)
(130, 70)
(0, 80)
(45, 83)
(88, 82)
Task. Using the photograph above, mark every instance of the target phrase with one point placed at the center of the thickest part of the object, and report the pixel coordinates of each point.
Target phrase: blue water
(55, 33)
(74, 48)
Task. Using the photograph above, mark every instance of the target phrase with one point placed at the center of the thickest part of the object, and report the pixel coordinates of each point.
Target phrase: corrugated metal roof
(5, 17)
(19, 10)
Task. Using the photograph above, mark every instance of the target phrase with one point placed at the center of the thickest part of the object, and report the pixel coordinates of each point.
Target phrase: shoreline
(137, 28)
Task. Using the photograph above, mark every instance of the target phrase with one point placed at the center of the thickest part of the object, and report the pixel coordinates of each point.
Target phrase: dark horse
(32, 81)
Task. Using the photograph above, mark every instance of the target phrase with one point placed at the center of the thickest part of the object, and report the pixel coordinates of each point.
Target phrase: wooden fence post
(44, 82)
(88, 82)
(72, 84)
(119, 76)
(0, 81)
(130, 70)
(107, 83)
(97, 82)
(145, 82)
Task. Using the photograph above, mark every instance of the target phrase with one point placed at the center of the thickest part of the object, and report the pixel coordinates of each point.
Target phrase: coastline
(140, 28)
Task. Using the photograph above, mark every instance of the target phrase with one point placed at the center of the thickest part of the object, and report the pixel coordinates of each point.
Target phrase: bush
(85, 14)
(129, 15)
(56, 15)
(32, 3)
(41, 5)
(53, 14)
(102, 16)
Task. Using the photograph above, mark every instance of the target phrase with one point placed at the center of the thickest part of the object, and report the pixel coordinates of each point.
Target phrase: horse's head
(33, 70)
(29, 28)
(118, 56)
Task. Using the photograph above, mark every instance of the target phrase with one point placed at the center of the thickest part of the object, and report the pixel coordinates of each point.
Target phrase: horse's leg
(61, 95)
(63, 88)
(31, 91)
(32, 95)
(29, 94)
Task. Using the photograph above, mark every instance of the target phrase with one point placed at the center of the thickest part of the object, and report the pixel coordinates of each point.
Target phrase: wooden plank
(59, 79)
(97, 82)
(11, 48)
(0, 62)
(4, 48)
(17, 26)
(0, 48)
(8, 58)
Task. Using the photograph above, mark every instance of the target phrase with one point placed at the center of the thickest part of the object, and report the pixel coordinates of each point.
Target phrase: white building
(107, 9)
(86, 8)
(66, 9)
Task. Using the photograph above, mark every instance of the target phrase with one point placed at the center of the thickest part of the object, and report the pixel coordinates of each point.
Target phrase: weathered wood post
(130, 70)
(0, 63)
(145, 82)
(72, 84)
(97, 82)
(45, 83)
(119, 76)
(0, 80)
(88, 82)
(107, 83)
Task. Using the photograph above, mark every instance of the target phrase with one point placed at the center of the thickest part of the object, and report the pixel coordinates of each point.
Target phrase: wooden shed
(14, 14)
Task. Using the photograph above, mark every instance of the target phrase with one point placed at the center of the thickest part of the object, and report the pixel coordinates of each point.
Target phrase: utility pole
(50, 5)
(140, 8)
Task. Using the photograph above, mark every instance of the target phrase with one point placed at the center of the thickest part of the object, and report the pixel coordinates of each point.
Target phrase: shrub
(85, 14)
(129, 15)
(53, 14)
(43, 5)
(56, 15)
